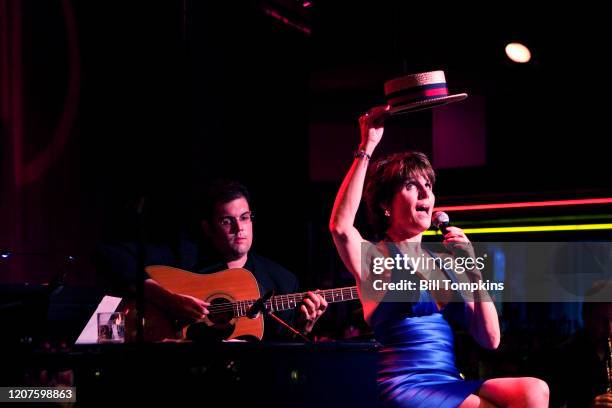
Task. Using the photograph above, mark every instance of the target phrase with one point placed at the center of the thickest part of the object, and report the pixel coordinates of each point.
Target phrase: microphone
(259, 305)
(440, 220)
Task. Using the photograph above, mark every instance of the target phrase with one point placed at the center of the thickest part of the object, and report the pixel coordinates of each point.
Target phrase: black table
(325, 374)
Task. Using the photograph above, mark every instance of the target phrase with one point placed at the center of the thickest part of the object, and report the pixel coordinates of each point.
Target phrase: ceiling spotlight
(518, 53)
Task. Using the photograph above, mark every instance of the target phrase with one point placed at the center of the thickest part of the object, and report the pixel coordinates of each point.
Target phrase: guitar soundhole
(224, 312)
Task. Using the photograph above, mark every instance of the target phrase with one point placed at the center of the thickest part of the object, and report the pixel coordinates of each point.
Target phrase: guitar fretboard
(291, 301)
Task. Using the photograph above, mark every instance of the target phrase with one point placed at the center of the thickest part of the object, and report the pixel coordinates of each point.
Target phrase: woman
(417, 367)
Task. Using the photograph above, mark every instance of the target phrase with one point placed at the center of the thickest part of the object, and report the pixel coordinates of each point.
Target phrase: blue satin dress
(417, 361)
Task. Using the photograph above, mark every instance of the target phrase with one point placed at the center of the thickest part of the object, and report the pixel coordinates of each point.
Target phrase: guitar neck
(285, 302)
(293, 300)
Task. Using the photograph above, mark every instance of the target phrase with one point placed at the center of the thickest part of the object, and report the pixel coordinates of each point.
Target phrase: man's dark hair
(221, 192)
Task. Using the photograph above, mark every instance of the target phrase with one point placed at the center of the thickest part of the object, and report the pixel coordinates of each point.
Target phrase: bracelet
(360, 154)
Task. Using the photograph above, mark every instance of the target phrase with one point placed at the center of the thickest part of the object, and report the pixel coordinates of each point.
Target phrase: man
(226, 222)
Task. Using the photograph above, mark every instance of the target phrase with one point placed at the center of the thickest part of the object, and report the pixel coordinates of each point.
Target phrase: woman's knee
(516, 392)
(537, 392)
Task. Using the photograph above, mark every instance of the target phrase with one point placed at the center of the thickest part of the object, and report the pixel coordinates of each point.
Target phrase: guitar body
(231, 294)
(221, 288)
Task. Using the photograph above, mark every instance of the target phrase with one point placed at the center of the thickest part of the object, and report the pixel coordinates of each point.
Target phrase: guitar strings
(240, 303)
(329, 295)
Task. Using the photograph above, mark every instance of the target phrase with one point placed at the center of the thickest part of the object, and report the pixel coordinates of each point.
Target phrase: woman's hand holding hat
(371, 124)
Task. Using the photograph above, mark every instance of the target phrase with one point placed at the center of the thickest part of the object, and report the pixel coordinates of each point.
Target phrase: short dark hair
(221, 192)
(386, 176)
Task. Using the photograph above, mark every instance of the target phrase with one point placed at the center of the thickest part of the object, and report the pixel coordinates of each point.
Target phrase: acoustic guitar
(231, 294)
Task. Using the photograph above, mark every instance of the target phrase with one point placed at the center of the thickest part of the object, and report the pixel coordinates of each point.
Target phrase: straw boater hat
(419, 91)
